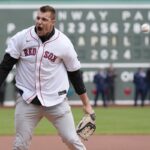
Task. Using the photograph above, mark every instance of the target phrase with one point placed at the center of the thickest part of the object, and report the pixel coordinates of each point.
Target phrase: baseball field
(118, 128)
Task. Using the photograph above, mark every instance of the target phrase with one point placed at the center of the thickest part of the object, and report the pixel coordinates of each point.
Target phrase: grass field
(111, 120)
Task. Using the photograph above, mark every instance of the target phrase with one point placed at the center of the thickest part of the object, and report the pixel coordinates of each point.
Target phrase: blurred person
(45, 61)
(101, 85)
(111, 75)
(2, 93)
(148, 83)
(139, 81)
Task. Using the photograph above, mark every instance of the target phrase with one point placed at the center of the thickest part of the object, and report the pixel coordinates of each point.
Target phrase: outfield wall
(102, 34)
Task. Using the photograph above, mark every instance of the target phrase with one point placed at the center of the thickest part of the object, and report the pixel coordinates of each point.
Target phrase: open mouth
(39, 28)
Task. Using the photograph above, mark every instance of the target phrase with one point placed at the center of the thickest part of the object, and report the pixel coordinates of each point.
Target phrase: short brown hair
(48, 8)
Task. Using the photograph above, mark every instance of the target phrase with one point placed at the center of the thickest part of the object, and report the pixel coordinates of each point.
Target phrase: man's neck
(47, 36)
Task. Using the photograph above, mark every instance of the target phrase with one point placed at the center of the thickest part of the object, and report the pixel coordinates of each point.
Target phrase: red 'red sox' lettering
(32, 51)
(50, 56)
(29, 51)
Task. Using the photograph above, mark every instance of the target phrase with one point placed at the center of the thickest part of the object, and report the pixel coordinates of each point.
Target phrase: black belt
(34, 101)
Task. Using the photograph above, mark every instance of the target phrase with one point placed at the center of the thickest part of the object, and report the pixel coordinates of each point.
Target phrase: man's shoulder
(64, 39)
(24, 31)
(61, 34)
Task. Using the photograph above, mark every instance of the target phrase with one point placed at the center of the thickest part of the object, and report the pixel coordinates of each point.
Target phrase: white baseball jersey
(41, 69)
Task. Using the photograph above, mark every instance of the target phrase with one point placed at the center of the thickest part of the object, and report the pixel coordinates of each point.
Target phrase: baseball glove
(86, 126)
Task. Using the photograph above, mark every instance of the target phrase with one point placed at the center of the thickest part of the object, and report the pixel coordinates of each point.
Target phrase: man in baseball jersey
(45, 58)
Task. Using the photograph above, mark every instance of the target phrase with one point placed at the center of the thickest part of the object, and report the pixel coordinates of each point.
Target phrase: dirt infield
(103, 142)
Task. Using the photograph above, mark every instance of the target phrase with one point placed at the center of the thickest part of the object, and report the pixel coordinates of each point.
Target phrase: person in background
(2, 93)
(101, 85)
(148, 83)
(139, 81)
(111, 75)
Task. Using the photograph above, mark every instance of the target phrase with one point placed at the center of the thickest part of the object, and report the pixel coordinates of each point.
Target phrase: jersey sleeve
(13, 47)
(70, 58)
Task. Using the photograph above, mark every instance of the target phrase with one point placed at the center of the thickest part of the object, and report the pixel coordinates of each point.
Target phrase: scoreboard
(107, 34)
(102, 35)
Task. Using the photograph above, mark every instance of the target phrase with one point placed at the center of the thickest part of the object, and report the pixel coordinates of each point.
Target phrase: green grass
(111, 120)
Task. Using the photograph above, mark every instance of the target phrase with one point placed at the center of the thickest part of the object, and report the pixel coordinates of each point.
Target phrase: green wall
(102, 35)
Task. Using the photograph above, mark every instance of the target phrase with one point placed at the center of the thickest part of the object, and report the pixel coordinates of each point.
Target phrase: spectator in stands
(101, 85)
(111, 74)
(139, 81)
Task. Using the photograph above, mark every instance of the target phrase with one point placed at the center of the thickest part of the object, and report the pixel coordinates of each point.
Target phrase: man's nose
(39, 21)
